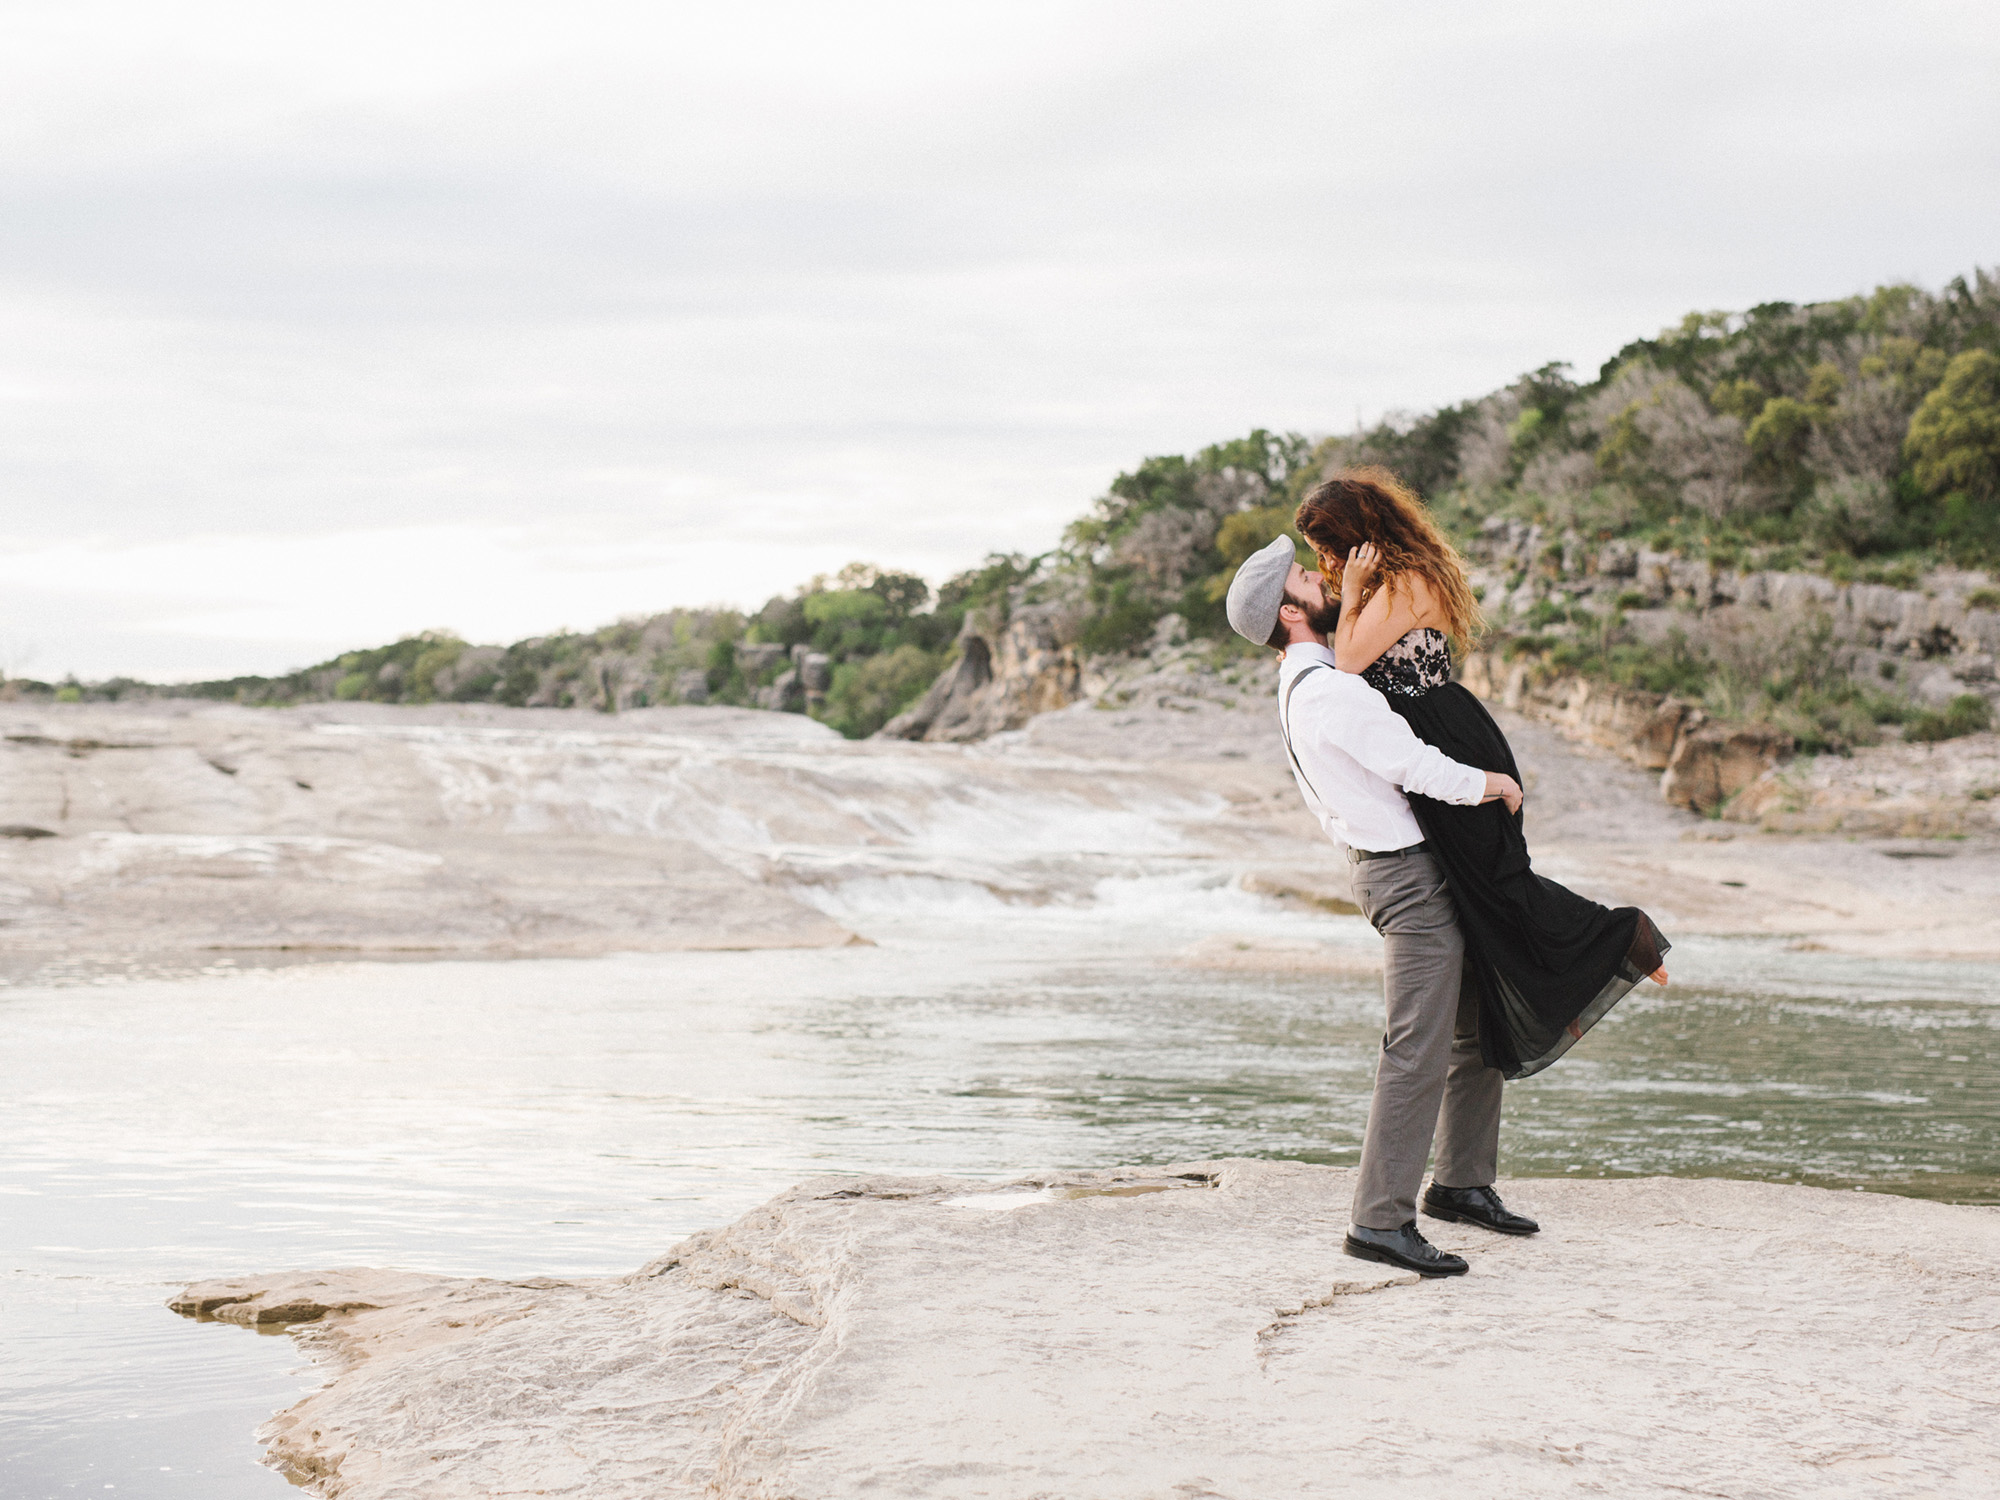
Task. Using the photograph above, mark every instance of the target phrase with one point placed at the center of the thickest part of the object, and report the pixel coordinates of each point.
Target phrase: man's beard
(1322, 615)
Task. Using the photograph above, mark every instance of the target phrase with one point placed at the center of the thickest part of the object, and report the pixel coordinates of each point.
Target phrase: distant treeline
(1859, 437)
(883, 636)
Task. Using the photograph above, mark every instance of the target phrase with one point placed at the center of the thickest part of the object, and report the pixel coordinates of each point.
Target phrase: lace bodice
(1420, 661)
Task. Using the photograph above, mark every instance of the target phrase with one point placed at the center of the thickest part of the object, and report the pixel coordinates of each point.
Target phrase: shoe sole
(1368, 1252)
(1452, 1216)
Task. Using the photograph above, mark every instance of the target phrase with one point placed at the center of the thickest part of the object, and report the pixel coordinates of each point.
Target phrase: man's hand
(1501, 788)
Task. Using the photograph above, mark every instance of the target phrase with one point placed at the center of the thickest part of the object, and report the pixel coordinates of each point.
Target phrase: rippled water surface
(579, 1116)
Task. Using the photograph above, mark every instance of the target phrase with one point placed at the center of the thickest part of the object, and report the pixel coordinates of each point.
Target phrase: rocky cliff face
(1702, 764)
(1008, 670)
(1930, 643)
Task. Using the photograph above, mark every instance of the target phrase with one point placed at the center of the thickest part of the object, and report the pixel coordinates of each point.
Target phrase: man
(1354, 758)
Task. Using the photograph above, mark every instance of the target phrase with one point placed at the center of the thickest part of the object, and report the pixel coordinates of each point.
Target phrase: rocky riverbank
(1186, 1330)
(174, 834)
(164, 831)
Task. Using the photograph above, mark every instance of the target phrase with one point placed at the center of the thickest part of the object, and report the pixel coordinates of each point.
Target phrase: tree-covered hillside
(1817, 436)
(1858, 439)
(852, 649)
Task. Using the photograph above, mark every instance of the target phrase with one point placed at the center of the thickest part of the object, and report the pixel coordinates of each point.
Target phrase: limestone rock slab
(1178, 1331)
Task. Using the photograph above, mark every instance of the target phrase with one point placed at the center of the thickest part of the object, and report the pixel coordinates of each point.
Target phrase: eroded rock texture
(1178, 1331)
(1007, 671)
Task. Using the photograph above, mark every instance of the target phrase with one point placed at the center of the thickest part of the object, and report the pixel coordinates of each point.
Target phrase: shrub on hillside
(1954, 441)
(1851, 513)
(1968, 713)
(868, 693)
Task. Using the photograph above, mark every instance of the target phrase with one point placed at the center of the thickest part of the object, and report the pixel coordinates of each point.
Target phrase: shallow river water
(567, 1117)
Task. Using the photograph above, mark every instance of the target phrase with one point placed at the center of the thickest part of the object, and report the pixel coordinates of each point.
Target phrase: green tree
(990, 583)
(903, 593)
(1245, 532)
(1954, 438)
(868, 693)
(1739, 398)
(440, 652)
(845, 607)
(847, 622)
(1824, 383)
(1779, 434)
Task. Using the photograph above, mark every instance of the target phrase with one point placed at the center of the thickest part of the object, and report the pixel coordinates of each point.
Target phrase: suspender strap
(1285, 728)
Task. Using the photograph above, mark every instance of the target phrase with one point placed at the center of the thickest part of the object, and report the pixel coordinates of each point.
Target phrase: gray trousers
(1430, 1065)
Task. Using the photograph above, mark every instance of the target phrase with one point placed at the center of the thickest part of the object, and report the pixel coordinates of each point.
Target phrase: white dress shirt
(1354, 756)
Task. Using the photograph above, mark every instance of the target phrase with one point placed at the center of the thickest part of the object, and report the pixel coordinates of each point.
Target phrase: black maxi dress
(1550, 963)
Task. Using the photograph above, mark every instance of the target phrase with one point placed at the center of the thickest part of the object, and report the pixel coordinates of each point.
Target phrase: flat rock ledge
(1186, 1332)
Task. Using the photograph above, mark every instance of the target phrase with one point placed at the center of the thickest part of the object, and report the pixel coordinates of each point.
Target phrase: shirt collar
(1301, 652)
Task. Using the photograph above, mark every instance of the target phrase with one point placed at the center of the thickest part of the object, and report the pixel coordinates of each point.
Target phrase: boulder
(754, 658)
(1509, 539)
(1650, 573)
(1714, 762)
(953, 700)
(1753, 590)
(1572, 554)
(1799, 593)
(1617, 560)
(1983, 627)
(1873, 607)
(785, 693)
(1937, 687)
(815, 670)
(1008, 670)
(1692, 579)
(1650, 741)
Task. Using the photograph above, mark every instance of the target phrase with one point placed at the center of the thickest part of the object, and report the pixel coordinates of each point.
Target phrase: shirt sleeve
(1359, 720)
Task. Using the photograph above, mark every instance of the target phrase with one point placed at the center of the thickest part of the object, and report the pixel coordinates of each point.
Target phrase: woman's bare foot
(1658, 976)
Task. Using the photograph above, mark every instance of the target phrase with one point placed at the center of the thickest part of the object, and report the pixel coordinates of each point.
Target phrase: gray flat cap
(1259, 588)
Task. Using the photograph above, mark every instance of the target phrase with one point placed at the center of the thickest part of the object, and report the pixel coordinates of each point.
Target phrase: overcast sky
(321, 324)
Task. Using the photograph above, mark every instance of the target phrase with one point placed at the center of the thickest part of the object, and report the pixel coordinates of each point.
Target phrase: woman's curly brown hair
(1372, 505)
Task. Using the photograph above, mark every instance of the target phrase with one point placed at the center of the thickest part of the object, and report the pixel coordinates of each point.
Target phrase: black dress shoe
(1402, 1247)
(1480, 1205)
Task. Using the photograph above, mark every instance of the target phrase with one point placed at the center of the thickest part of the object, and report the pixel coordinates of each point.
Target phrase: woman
(1549, 962)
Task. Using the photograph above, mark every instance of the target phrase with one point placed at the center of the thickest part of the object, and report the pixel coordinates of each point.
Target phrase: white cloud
(898, 282)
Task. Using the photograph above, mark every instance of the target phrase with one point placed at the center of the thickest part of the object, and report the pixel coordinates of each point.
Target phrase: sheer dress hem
(1649, 948)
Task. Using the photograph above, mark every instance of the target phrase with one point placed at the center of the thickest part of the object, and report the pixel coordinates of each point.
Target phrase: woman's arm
(1383, 616)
